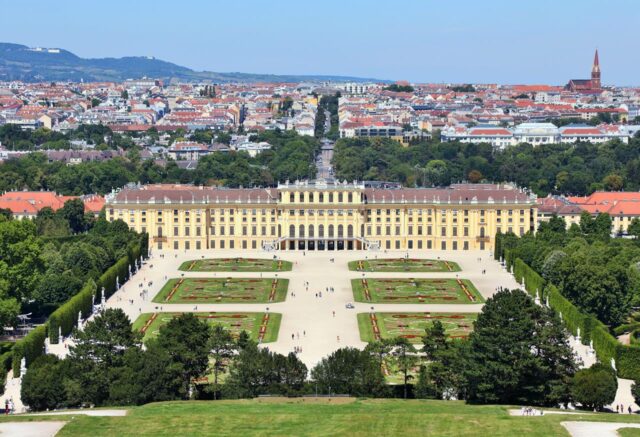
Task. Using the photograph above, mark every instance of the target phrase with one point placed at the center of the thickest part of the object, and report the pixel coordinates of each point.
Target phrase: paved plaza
(308, 321)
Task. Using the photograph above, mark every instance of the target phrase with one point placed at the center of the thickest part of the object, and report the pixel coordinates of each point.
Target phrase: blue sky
(418, 40)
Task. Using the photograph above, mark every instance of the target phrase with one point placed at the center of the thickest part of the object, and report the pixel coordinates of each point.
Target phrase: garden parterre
(223, 290)
(380, 326)
(415, 290)
(236, 265)
(404, 265)
(262, 327)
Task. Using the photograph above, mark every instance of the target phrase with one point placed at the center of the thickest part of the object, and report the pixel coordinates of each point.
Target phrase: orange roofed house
(26, 204)
(621, 206)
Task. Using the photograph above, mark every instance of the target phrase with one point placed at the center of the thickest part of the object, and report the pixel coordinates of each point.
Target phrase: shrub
(594, 387)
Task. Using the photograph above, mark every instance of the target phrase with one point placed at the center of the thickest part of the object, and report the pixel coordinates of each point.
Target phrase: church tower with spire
(595, 73)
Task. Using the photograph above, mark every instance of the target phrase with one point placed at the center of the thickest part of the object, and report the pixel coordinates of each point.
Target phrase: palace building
(321, 215)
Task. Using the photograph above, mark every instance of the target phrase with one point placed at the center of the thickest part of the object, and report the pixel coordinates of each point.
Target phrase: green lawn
(234, 322)
(629, 432)
(236, 265)
(415, 290)
(222, 290)
(404, 265)
(323, 417)
(413, 325)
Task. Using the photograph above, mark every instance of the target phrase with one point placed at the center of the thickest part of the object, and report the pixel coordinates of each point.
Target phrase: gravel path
(596, 429)
(31, 429)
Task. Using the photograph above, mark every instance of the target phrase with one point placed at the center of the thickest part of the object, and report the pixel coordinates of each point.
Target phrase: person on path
(334, 314)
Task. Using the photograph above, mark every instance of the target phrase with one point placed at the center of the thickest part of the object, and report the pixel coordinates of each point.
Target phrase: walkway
(596, 429)
(31, 429)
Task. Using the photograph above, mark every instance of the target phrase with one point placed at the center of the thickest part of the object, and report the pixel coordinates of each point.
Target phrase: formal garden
(261, 327)
(236, 265)
(412, 326)
(223, 290)
(414, 290)
(404, 265)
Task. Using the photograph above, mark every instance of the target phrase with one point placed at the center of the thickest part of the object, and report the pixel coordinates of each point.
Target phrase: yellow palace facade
(320, 215)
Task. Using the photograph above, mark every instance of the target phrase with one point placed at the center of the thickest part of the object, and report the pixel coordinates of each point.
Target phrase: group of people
(529, 411)
(620, 409)
(298, 349)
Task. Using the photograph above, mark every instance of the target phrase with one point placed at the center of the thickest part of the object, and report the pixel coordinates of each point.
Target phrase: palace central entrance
(322, 244)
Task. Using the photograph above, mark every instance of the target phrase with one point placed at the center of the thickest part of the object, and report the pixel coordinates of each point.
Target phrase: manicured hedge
(30, 347)
(65, 318)
(6, 359)
(532, 280)
(572, 317)
(5, 365)
(628, 362)
(606, 346)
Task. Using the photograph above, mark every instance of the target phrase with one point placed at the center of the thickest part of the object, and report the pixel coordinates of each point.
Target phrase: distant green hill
(19, 62)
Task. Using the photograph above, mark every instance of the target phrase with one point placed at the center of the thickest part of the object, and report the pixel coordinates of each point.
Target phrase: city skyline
(421, 43)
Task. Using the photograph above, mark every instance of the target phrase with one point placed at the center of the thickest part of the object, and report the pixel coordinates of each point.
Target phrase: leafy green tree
(185, 339)
(518, 353)
(73, 212)
(434, 340)
(404, 354)
(221, 349)
(146, 376)
(595, 387)
(9, 310)
(634, 228)
(349, 371)
(423, 389)
(257, 371)
(42, 386)
(100, 347)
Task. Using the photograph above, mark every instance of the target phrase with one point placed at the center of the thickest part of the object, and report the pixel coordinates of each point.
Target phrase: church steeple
(595, 72)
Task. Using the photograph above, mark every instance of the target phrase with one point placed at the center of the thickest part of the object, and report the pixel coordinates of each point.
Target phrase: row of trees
(597, 273)
(292, 157)
(108, 366)
(13, 137)
(576, 169)
(517, 354)
(45, 261)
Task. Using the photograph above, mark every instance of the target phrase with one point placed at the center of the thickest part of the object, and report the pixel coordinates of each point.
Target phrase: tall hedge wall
(30, 347)
(532, 280)
(65, 318)
(627, 358)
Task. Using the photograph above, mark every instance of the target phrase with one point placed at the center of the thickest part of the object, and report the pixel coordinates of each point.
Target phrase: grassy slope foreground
(324, 417)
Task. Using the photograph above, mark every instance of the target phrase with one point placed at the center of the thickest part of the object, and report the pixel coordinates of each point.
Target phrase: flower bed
(377, 326)
(411, 290)
(262, 327)
(223, 290)
(404, 265)
(236, 265)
